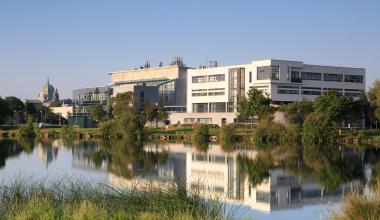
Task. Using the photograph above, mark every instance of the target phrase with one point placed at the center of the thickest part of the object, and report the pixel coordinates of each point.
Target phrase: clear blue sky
(77, 42)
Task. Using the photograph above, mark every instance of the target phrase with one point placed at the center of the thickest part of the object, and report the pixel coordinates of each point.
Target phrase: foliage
(68, 132)
(201, 132)
(268, 132)
(154, 113)
(319, 129)
(254, 105)
(333, 105)
(27, 130)
(97, 112)
(297, 111)
(4, 110)
(66, 200)
(121, 103)
(126, 122)
(356, 206)
(374, 98)
(256, 169)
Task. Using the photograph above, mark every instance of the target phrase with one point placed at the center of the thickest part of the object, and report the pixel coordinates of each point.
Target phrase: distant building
(48, 94)
(162, 85)
(213, 94)
(84, 99)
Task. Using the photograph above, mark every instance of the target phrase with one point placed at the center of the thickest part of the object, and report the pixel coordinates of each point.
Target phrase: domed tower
(48, 93)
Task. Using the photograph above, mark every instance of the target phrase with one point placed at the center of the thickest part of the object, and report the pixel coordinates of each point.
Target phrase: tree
(297, 111)
(319, 129)
(333, 105)
(254, 105)
(121, 103)
(4, 110)
(374, 99)
(127, 122)
(97, 112)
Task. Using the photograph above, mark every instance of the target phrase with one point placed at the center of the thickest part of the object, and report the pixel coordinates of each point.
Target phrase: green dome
(48, 89)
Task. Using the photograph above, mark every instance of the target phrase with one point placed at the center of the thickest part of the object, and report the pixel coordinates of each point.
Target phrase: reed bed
(25, 199)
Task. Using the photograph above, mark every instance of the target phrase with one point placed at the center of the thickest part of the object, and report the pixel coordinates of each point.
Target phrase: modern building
(162, 85)
(84, 99)
(213, 93)
(48, 94)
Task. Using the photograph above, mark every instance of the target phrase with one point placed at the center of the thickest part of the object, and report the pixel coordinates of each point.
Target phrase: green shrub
(26, 131)
(201, 132)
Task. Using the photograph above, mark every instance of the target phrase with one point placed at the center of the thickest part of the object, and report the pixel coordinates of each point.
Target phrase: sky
(76, 43)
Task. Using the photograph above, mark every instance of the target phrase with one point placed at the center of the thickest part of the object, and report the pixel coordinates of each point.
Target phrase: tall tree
(333, 105)
(297, 111)
(4, 110)
(254, 105)
(97, 112)
(121, 103)
(374, 98)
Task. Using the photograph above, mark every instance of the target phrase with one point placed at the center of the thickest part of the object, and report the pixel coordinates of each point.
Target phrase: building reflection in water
(217, 174)
(47, 153)
(83, 158)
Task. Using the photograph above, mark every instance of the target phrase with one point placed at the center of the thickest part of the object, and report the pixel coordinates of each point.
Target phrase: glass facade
(200, 107)
(354, 78)
(311, 76)
(217, 107)
(268, 72)
(236, 87)
(333, 77)
(166, 94)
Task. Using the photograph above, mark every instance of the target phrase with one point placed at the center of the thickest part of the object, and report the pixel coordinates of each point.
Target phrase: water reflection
(265, 179)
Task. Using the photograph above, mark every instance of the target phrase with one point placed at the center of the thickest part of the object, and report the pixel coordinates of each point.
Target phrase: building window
(217, 107)
(190, 120)
(236, 87)
(216, 93)
(250, 76)
(354, 78)
(308, 92)
(216, 78)
(199, 94)
(262, 196)
(166, 94)
(200, 107)
(287, 91)
(333, 77)
(204, 120)
(199, 79)
(311, 76)
(268, 72)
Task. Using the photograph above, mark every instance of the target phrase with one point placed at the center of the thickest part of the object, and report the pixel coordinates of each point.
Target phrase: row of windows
(267, 72)
(209, 107)
(210, 78)
(311, 92)
(210, 93)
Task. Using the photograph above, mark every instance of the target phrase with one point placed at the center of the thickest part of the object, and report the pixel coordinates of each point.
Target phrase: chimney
(147, 64)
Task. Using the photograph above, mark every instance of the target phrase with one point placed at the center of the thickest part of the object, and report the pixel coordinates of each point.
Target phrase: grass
(65, 200)
(359, 207)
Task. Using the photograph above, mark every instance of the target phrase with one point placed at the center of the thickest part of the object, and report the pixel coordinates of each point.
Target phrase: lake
(283, 182)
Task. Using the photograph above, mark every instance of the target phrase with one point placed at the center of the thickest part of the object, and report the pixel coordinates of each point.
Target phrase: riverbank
(185, 133)
(65, 200)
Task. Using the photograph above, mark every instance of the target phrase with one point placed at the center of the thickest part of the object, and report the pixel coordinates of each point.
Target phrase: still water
(285, 182)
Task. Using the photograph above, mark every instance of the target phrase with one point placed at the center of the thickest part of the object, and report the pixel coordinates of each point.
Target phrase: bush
(268, 132)
(26, 131)
(68, 132)
(201, 132)
(318, 129)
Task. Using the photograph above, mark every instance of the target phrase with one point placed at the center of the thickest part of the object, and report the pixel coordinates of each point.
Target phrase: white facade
(217, 90)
